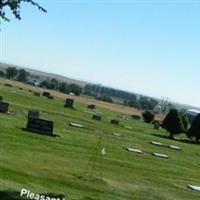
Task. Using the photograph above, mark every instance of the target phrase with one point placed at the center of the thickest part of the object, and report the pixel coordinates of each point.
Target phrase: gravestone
(40, 126)
(8, 85)
(114, 121)
(20, 88)
(30, 90)
(4, 107)
(69, 103)
(50, 97)
(46, 94)
(157, 124)
(1, 98)
(96, 117)
(36, 94)
(92, 106)
(136, 117)
(33, 114)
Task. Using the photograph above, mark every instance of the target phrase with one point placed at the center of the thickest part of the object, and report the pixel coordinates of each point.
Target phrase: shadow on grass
(13, 195)
(187, 141)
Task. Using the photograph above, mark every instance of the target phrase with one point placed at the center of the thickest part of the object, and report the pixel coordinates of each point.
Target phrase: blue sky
(149, 47)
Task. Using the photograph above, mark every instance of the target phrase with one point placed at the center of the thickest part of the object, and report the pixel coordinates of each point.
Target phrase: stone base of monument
(4, 107)
(40, 126)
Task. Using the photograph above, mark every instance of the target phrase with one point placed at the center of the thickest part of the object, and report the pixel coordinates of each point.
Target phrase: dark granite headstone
(33, 114)
(4, 107)
(91, 106)
(8, 85)
(96, 117)
(50, 97)
(1, 98)
(36, 94)
(40, 126)
(69, 103)
(46, 94)
(136, 117)
(20, 88)
(114, 121)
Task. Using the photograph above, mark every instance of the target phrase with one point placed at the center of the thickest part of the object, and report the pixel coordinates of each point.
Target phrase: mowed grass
(64, 166)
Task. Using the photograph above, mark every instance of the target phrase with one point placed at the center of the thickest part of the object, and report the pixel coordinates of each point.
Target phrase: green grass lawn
(63, 165)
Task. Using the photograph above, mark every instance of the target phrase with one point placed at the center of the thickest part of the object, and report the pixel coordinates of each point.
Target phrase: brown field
(81, 99)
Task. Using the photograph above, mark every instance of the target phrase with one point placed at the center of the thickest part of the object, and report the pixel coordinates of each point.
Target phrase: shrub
(148, 116)
(173, 123)
(194, 130)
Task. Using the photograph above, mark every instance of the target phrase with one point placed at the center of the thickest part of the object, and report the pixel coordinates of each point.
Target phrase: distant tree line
(127, 98)
(23, 76)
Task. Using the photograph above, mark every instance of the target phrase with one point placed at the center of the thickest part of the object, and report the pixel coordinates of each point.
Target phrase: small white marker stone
(160, 155)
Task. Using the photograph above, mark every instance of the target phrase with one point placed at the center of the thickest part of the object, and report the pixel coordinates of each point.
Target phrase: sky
(148, 47)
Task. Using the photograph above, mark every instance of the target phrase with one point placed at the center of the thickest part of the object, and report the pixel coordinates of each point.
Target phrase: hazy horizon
(147, 48)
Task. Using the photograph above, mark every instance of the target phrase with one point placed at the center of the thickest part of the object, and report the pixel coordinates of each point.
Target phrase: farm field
(72, 165)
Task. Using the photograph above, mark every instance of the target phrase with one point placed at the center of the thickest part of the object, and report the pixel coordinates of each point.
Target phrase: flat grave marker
(75, 125)
(194, 187)
(160, 155)
(134, 150)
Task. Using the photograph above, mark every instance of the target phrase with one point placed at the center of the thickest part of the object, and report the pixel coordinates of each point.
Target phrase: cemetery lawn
(60, 166)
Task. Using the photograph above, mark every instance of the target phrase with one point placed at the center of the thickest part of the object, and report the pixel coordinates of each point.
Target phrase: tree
(2, 73)
(148, 116)
(73, 88)
(11, 72)
(22, 75)
(173, 123)
(15, 6)
(194, 130)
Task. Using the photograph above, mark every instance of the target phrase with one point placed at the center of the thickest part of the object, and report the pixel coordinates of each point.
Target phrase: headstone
(50, 97)
(136, 117)
(157, 124)
(8, 85)
(1, 98)
(96, 117)
(36, 94)
(20, 88)
(4, 107)
(91, 106)
(33, 114)
(40, 126)
(30, 90)
(114, 121)
(69, 103)
(46, 94)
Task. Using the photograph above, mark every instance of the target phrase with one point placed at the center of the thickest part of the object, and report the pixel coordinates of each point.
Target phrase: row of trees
(63, 87)
(53, 84)
(128, 99)
(16, 74)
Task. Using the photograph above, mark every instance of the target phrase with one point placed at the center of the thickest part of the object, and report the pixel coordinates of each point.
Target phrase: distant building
(192, 113)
